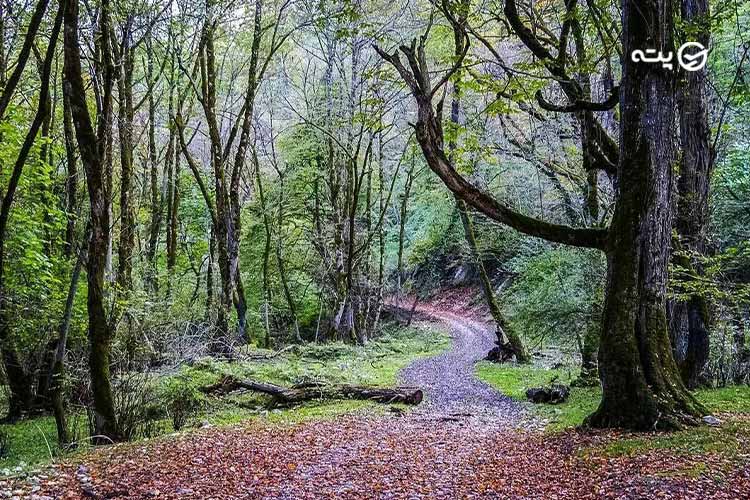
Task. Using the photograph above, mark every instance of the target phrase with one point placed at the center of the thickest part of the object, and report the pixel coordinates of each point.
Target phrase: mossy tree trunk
(502, 328)
(689, 319)
(92, 147)
(125, 57)
(642, 388)
(589, 345)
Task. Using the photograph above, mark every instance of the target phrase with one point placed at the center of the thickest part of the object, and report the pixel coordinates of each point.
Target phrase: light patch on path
(449, 382)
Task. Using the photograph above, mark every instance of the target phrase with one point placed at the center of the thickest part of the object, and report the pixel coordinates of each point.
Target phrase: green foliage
(181, 399)
(733, 399)
(556, 294)
(513, 380)
(376, 363)
(149, 405)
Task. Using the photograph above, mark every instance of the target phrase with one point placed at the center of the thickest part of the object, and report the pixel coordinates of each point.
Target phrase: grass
(734, 399)
(28, 441)
(729, 439)
(34, 441)
(513, 380)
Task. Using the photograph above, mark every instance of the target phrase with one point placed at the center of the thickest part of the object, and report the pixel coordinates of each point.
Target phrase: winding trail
(444, 449)
(448, 379)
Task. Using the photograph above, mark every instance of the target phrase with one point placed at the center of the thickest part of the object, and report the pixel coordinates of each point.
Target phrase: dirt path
(432, 452)
(448, 379)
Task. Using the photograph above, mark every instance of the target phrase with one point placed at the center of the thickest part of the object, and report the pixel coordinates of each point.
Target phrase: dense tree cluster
(181, 178)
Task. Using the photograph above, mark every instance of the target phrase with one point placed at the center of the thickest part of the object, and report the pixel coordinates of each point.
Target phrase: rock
(554, 394)
(712, 421)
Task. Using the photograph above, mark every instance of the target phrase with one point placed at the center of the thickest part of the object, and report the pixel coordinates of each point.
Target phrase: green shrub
(182, 400)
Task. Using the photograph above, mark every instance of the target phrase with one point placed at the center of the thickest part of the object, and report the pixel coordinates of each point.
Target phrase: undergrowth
(183, 405)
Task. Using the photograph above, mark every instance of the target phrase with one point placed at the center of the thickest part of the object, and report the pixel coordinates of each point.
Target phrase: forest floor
(466, 441)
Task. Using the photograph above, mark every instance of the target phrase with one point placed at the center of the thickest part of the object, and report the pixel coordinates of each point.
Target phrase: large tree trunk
(689, 320)
(92, 148)
(641, 385)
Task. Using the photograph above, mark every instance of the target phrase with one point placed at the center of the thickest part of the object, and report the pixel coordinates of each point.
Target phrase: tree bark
(92, 149)
(641, 385)
(126, 116)
(71, 179)
(156, 197)
(689, 319)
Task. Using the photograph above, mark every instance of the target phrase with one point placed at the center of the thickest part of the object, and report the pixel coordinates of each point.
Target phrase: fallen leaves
(390, 457)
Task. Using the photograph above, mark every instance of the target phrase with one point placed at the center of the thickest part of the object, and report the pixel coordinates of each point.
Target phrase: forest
(369, 249)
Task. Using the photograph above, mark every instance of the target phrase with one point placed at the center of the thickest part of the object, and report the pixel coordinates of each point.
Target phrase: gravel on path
(449, 382)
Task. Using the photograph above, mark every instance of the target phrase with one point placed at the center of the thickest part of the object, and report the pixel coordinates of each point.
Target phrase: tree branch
(430, 138)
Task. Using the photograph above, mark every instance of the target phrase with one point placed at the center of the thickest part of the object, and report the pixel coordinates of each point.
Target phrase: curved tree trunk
(514, 343)
(502, 328)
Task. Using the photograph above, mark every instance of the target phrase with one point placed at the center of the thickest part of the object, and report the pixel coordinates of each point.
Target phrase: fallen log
(317, 390)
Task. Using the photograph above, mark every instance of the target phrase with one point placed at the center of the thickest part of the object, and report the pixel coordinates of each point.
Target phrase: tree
(21, 397)
(641, 384)
(513, 346)
(92, 147)
(226, 207)
(689, 318)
